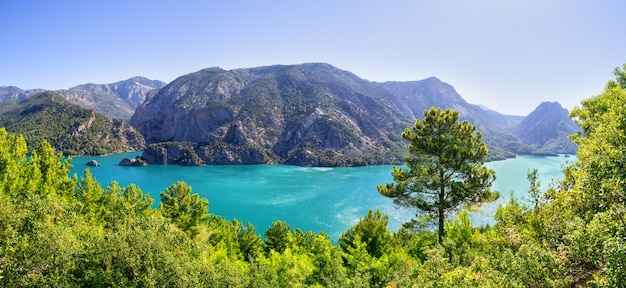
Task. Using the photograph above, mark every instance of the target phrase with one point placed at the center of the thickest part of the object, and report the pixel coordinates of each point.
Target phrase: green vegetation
(445, 167)
(60, 231)
(71, 129)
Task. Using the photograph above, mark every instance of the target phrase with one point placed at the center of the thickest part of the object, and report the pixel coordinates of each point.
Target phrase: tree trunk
(440, 203)
(441, 215)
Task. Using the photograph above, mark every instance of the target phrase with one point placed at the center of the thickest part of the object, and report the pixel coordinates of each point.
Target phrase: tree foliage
(371, 231)
(186, 210)
(445, 167)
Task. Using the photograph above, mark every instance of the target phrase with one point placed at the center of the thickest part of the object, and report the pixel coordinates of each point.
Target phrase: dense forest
(58, 230)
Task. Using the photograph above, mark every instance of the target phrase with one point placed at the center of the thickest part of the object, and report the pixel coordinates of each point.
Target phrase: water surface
(317, 199)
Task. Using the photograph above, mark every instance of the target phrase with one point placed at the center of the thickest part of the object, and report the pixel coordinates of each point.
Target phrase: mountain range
(316, 114)
(310, 114)
(117, 100)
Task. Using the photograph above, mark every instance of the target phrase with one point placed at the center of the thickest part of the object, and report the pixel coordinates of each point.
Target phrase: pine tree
(445, 167)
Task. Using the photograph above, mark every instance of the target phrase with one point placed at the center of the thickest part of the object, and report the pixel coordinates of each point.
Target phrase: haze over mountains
(310, 114)
(116, 100)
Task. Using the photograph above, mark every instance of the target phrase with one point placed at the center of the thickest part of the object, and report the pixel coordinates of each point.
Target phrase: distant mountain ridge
(12, 93)
(117, 100)
(310, 114)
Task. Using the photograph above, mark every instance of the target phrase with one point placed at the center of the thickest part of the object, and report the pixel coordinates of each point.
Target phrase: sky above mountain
(508, 55)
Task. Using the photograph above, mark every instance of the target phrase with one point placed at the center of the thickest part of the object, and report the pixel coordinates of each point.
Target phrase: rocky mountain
(117, 100)
(70, 128)
(12, 93)
(311, 114)
(547, 128)
(432, 92)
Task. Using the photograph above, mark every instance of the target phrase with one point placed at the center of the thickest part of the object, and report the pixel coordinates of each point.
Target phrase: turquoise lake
(309, 198)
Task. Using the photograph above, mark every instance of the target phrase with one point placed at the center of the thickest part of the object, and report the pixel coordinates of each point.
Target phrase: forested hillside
(62, 231)
(70, 128)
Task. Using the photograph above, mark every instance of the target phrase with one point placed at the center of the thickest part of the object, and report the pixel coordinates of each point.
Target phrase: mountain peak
(547, 127)
(145, 81)
(8, 93)
(9, 88)
(433, 80)
(117, 100)
(430, 92)
(548, 104)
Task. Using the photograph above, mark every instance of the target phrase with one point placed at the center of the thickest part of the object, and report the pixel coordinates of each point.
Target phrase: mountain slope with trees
(70, 128)
(309, 114)
(262, 104)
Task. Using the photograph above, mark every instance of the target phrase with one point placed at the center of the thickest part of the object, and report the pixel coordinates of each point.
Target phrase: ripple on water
(310, 198)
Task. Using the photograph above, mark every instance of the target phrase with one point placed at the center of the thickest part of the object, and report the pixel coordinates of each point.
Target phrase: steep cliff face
(547, 128)
(310, 114)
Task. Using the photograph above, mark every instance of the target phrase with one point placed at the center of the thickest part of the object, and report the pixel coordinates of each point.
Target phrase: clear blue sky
(509, 55)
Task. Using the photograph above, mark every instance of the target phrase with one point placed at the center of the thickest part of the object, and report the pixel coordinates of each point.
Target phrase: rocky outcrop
(92, 163)
(138, 161)
(194, 154)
